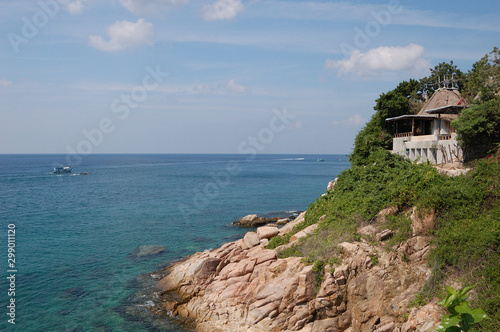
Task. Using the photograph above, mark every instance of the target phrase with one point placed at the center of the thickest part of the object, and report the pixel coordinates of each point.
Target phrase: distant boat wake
(288, 159)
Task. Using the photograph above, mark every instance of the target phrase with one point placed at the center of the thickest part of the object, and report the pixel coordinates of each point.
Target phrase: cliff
(242, 286)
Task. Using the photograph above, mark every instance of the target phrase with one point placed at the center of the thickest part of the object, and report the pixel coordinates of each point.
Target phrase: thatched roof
(444, 101)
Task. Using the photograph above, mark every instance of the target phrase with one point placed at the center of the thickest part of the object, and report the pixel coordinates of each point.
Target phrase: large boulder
(251, 239)
(248, 220)
(267, 232)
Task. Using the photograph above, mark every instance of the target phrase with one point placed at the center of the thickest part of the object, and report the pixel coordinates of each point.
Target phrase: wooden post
(439, 125)
(412, 127)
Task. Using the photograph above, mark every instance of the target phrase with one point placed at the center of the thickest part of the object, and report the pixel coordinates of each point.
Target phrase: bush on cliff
(478, 127)
(466, 242)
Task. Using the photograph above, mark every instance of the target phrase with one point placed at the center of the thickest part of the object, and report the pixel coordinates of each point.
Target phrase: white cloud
(75, 7)
(235, 87)
(352, 121)
(124, 34)
(383, 59)
(222, 10)
(150, 7)
(5, 83)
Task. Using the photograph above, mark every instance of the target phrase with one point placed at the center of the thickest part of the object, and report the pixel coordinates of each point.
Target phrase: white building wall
(428, 148)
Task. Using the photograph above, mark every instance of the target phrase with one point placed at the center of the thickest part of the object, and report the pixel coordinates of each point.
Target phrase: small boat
(62, 170)
(321, 159)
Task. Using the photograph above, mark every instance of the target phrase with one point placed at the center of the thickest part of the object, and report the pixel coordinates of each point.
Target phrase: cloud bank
(383, 59)
(150, 7)
(235, 87)
(352, 121)
(123, 35)
(75, 7)
(5, 83)
(222, 10)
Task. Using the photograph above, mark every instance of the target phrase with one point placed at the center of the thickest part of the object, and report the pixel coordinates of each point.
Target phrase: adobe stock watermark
(372, 29)
(201, 198)
(120, 109)
(31, 26)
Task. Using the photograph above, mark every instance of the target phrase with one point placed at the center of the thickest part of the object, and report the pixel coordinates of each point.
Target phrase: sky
(218, 76)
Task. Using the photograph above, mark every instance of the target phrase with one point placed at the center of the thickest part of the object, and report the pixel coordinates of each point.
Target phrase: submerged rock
(74, 292)
(147, 251)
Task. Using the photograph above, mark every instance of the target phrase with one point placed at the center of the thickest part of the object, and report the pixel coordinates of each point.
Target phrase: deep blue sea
(74, 233)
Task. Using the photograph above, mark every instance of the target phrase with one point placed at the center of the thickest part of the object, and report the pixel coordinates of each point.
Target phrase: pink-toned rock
(341, 271)
(248, 220)
(422, 222)
(384, 235)
(368, 231)
(267, 232)
(424, 319)
(251, 239)
(303, 233)
(288, 227)
(263, 255)
(242, 244)
(282, 221)
(390, 211)
(231, 289)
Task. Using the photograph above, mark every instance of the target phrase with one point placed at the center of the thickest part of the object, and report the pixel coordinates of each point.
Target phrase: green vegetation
(466, 234)
(483, 80)
(319, 274)
(461, 317)
(478, 126)
(278, 240)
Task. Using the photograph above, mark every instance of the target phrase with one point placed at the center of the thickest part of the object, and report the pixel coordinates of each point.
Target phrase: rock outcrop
(242, 286)
(331, 185)
(253, 220)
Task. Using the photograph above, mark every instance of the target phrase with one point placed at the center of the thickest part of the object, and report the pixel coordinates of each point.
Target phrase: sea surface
(74, 233)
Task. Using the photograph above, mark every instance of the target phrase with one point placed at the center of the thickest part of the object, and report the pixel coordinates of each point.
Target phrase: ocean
(75, 234)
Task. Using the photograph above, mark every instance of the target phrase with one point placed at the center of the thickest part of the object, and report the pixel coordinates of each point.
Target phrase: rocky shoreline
(242, 286)
(253, 220)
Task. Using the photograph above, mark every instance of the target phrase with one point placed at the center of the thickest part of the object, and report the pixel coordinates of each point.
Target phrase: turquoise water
(74, 233)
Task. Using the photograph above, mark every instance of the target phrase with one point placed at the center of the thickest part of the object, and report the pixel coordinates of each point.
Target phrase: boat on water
(321, 159)
(62, 170)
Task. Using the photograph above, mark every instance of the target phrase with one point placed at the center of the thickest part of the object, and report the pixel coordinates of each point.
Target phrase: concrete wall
(428, 148)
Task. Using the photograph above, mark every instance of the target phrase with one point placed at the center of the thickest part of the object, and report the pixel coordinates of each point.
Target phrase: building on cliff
(428, 135)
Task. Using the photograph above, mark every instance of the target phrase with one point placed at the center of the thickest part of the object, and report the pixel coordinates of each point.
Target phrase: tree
(483, 80)
(441, 72)
(377, 133)
(404, 99)
(478, 127)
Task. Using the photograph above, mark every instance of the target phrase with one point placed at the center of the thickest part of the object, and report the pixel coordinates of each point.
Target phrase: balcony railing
(445, 137)
(403, 135)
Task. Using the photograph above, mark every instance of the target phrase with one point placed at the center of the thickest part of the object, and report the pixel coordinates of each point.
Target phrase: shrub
(461, 317)
(278, 240)
(478, 127)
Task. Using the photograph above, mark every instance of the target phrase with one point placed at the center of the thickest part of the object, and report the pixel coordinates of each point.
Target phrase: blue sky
(217, 76)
